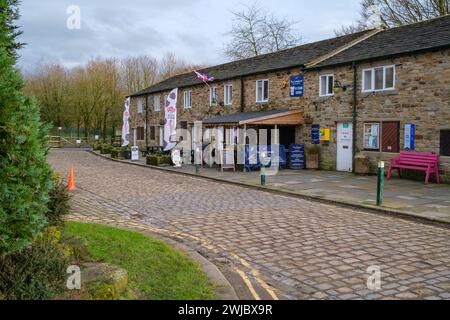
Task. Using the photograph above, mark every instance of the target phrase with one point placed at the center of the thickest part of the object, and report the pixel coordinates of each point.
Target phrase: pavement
(401, 196)
(282, 247)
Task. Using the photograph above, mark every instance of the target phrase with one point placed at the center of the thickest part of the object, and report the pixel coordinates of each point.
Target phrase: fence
(75, 133)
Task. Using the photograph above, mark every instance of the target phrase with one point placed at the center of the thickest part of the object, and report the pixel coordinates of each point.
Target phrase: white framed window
(326, 85)
(157, 103)
(378, 79)
(140, 108)
(228, 95)
(188, 99)
(213, 96)
(262, 91)
(372, 136)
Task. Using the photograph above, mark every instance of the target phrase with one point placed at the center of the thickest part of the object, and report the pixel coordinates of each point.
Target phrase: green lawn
(156, 271)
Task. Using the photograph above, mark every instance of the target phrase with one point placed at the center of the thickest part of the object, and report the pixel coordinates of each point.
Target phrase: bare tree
(139, 72)
(91, 96)
(49, 83)
(255, 32)
(280, 33)
(395, 13)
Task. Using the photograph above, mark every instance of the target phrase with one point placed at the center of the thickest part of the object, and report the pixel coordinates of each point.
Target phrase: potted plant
(97, 146)
(159, 160)
(106, 149)
(127, 153)
(361, 163)
(117, 153)
(312, 157)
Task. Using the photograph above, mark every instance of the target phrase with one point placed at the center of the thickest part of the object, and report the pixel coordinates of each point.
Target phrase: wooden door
(390, 136)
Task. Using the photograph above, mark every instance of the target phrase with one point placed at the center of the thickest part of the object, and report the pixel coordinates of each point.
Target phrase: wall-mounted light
(338, 86)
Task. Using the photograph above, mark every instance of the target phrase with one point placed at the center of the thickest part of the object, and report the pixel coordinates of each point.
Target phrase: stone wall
(421, 96)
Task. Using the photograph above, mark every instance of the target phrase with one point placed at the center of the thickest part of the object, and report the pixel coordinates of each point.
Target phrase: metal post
(263, 175)
(380, 183)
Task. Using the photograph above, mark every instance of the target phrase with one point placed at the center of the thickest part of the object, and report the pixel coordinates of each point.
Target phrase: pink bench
(428, 162)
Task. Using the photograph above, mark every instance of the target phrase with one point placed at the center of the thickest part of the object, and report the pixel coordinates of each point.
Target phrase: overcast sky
(193, 29)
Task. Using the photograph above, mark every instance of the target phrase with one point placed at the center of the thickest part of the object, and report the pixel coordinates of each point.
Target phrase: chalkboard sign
(297, 157)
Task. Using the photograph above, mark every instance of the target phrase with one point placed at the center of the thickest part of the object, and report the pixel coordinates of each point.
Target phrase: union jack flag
(204, 77)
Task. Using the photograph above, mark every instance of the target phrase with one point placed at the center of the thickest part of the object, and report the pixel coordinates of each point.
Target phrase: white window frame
(372, 80)
(228, 101)
(157, 106)
(188, 99)
(213, 96)
(262, 93)
(140, 105)
(327, 76)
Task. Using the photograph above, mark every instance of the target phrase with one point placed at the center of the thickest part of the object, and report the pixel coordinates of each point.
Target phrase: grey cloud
(194, 30)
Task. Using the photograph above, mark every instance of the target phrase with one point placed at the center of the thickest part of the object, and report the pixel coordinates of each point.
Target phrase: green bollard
(197, 169)
(263, 176)
(380, 183)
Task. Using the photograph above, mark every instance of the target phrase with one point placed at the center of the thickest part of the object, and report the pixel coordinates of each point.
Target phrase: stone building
(366, 88)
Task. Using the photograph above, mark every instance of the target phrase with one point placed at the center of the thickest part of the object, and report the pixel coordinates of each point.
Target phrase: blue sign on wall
(410, 131)
(296, 86)
(315, 134)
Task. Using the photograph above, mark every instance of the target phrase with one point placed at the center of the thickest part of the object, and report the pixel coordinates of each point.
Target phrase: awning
(273, 117)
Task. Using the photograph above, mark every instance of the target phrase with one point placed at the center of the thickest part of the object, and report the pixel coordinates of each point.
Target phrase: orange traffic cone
(71, 186)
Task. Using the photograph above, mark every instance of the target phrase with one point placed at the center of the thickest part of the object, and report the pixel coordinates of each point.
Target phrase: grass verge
(156, 271)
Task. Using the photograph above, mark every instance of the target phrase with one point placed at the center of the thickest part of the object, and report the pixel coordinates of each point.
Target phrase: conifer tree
(25, 176)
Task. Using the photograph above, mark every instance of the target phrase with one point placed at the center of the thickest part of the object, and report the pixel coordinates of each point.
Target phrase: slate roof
(413, 38)
(242, 116)
(284, 59)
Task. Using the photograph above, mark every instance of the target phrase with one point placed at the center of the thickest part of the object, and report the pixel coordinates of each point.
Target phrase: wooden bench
(428, 162)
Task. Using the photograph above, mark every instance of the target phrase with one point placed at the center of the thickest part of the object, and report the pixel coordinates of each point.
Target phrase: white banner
(126, 124)
(170, 124)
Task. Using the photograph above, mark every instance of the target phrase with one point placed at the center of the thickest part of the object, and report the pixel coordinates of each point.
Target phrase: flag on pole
(204, 77)
(170, 127)
(126, 124)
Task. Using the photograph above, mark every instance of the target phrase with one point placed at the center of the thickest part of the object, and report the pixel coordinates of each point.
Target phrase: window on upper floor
(188, 99)
(165, 100)
(213, 96)
(262, 91)
(378, 79)
(140, 108)
(157, 103)
(228, 95)
(326, 85)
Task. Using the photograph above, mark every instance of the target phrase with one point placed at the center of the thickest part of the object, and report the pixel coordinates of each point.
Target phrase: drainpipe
(242, 95)
(355, 102)
(146, 122)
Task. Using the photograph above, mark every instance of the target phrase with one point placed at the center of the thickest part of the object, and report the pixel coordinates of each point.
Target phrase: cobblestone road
(299, 248)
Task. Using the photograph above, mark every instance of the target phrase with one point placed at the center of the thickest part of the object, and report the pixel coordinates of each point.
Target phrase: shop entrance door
(344, 147)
